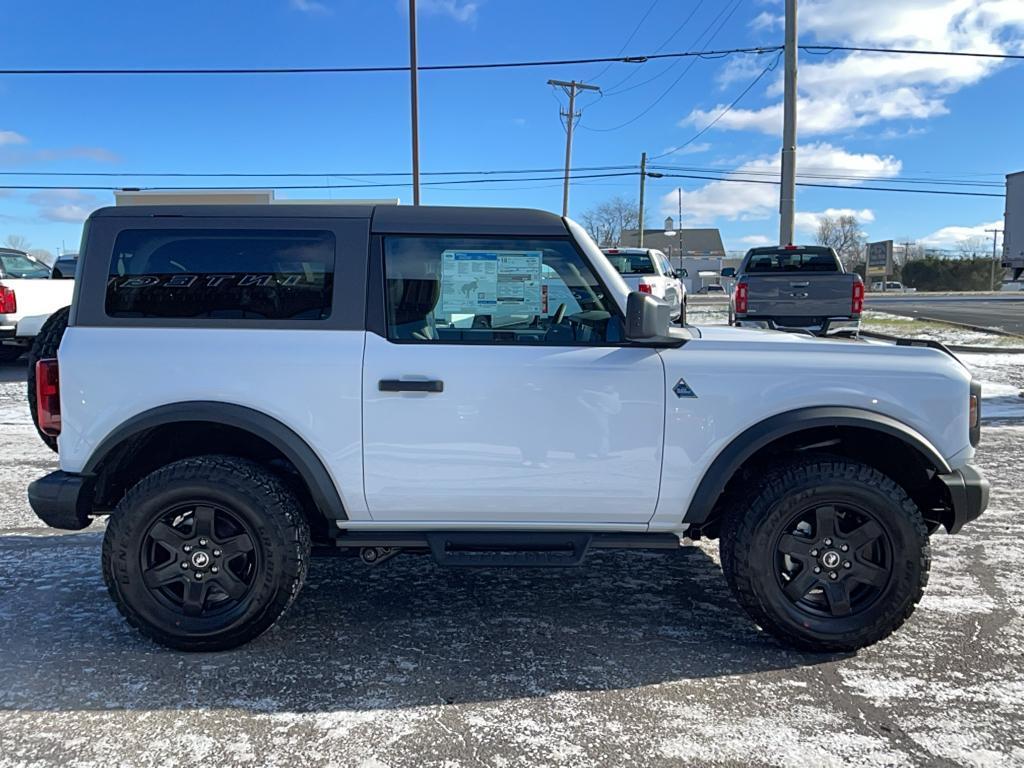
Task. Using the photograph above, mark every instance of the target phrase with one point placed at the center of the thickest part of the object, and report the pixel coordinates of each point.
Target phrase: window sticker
(491, 282)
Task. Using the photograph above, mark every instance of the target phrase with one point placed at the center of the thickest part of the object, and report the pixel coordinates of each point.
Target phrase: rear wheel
(826, 554)
(206, 553)
(45, 345)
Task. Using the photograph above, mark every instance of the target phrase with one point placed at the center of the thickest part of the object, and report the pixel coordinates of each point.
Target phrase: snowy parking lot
(634, 659)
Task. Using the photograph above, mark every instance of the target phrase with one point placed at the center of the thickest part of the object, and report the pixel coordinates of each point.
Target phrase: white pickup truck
(649, 271)
(28, 296)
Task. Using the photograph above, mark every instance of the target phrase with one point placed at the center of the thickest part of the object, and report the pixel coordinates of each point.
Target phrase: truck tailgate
(37, 300)
(796, 295)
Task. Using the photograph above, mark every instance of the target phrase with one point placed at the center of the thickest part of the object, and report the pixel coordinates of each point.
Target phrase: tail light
(48, 397)
(644, 288)
(974, 413)
(857, 299)
(741, 296)
(8, 301)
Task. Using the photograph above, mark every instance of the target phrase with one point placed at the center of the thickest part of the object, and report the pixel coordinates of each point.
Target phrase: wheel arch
(109, 463)
(817, 425)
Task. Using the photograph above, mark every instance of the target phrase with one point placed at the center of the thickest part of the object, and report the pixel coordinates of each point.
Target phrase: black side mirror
(648, 318)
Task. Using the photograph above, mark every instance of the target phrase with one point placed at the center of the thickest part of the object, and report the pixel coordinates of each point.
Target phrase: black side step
(509, 549)
(506, 548)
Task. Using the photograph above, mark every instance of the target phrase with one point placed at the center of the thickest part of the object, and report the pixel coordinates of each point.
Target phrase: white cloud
(309, 6)
(755, 240)
(689, 149)
(842, 92)
(738, 201)
(807, 222)
(11, 137)
(950, 237)
(65, 205)
(463, 11)
(767, 21)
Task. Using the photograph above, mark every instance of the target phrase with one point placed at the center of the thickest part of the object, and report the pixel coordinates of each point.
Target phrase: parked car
(27, 298)
(796, 287)
(891, 286)
(649, 271)
(713, 290)
(64, 267)
(238, 385)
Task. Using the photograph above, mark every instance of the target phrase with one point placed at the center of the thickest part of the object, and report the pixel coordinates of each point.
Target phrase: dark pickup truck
(796, 287)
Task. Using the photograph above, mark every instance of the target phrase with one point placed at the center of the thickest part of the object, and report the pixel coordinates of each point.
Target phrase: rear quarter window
(243, 275)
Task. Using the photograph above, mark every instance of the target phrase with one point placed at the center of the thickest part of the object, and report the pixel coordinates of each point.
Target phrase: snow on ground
(634, 659)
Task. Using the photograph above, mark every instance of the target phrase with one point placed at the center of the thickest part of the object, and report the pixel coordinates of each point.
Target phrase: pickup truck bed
(26, 302)
(798, 287)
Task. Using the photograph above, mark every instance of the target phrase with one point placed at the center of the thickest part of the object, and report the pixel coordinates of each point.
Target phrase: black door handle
(397, 385)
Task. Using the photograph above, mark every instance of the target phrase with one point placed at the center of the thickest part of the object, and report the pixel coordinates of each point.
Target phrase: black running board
(508, 549)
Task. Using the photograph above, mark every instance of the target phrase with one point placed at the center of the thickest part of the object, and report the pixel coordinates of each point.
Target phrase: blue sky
(861, 114)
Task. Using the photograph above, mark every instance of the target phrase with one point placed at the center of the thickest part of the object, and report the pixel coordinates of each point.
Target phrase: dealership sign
(880, 257)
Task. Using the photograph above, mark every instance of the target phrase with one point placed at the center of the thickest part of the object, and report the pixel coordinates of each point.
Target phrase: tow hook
(377, 555)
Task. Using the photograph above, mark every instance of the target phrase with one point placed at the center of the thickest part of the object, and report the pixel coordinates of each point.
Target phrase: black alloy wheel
(833, 559)
(199, 559)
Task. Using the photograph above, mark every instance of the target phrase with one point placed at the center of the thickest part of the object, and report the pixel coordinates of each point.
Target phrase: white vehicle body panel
(307, 380)
(521, 434)
(37, 300)
(742, 377)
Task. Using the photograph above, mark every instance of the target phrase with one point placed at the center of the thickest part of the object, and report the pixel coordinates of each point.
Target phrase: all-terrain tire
(252, 500)
(44, 346)
(752, 539)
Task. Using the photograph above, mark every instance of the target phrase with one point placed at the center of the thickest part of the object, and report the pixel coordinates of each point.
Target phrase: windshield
(21, 266)
(817, 260)
(632, 263)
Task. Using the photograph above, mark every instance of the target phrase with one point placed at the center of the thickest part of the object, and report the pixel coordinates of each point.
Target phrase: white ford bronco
(241, 386)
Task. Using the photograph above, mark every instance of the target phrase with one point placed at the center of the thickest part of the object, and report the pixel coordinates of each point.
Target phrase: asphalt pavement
(634, 659)
(1004, 312)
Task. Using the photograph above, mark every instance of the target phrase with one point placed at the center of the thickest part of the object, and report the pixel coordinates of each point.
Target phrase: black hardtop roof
(399, 219)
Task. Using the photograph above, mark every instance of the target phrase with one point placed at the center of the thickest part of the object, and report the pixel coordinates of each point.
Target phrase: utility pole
(643, 183)
(787, 197)
(995, 234)
(570, 88)
(414, 97)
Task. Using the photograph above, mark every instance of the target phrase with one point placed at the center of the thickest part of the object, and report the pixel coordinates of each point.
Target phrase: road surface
(1003, 312)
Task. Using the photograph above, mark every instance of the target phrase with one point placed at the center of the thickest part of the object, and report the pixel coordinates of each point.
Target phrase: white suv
(649, 271)
(238, 385)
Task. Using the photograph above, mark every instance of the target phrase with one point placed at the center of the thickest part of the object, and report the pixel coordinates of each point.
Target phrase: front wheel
(205, 554)
(827, 554)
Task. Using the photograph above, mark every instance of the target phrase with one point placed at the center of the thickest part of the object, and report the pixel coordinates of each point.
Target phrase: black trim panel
(296, 450)
(968, 493)
(756, 437)
(62, 500)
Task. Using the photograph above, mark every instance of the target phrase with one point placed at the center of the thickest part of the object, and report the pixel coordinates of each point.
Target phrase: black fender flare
(756, 437)
(312, 470)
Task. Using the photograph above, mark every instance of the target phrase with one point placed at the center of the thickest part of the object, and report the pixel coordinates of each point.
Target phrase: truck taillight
(48, 397)
(857, 299)
(644, 288)
(8, 301)
(741, 295)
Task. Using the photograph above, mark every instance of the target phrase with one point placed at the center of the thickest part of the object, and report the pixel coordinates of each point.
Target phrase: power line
(637, 59)
(641, 59)
(771, 67)
(835, 186)
(809, 174)
(99, 188)
(628, 39)
(304, 174)
(520, 179)
(824, 50)
(675, 82)
(667, 40)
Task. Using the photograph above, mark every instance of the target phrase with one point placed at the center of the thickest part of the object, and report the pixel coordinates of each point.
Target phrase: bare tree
(17, 242)
(42, 255)
(974, 247)
(608, 220)
(843, 233)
